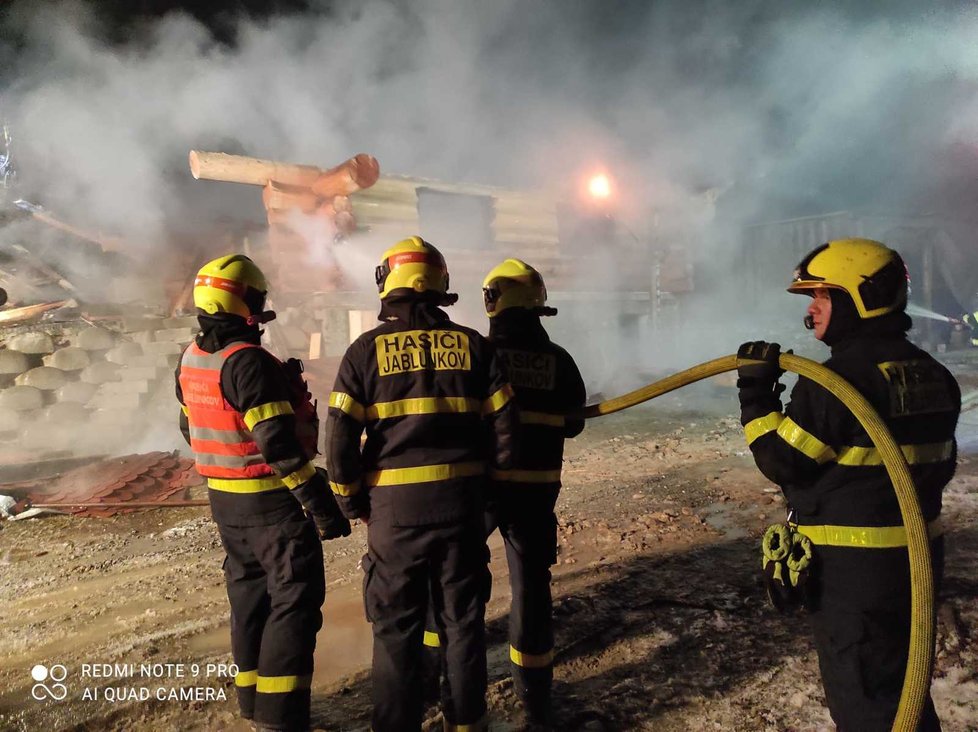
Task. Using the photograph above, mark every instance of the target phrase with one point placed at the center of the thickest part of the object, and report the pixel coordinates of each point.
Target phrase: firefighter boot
(532, 686)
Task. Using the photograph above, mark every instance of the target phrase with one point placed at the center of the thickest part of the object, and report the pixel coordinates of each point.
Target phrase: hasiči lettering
(530, 369)
(416, 350)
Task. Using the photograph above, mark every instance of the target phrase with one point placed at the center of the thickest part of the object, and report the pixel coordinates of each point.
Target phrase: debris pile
(88, 390)
(105, 487)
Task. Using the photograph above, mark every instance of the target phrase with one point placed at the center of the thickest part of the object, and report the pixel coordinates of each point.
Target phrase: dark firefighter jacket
(438, 414)
(252, 379)
(832, 475)
(547, 385)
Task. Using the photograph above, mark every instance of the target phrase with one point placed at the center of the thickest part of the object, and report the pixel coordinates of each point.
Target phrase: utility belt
(787, 559)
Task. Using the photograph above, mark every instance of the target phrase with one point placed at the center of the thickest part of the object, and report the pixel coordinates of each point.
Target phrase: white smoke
(766, 113)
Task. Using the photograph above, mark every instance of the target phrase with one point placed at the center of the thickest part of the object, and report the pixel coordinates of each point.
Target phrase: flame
(599, 186)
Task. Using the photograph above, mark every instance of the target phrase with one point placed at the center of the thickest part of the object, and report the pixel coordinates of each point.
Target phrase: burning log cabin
(597, 270)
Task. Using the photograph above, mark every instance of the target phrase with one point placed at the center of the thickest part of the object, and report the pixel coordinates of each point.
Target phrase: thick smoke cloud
(766, 111)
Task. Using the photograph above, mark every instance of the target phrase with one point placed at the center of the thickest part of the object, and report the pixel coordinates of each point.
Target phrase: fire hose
(917, 678)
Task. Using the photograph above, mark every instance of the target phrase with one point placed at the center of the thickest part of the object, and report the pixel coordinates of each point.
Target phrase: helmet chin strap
(264, 317)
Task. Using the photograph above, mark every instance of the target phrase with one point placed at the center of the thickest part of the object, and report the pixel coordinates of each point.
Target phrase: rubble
(21, 398)
(45, 378)
(70, 358)
(94, 339)
(32, 343)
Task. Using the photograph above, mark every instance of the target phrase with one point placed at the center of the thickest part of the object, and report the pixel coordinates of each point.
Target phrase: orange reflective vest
(223, 446)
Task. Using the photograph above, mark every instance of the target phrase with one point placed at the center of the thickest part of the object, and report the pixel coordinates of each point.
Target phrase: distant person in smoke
(971, 320)
(252, 427)
(841, 500)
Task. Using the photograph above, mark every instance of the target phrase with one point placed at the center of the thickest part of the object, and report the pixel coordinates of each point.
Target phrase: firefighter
(842, 505)
(252, 427)
(438, 413)
(547, 385)
(971, 321)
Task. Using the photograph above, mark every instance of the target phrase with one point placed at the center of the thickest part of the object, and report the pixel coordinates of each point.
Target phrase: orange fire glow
(599, 186)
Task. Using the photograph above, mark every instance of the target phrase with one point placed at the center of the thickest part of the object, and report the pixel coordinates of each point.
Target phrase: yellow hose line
(917, 679)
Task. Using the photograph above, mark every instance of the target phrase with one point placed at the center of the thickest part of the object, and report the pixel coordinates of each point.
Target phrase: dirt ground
(661, 621)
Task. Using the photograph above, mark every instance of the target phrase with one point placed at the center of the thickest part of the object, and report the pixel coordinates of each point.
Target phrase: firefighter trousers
(276, 587)
(402, 566)
(530, 540)
(862, 657)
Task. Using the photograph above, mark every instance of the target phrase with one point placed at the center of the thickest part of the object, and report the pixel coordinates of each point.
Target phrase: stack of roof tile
(149, 477)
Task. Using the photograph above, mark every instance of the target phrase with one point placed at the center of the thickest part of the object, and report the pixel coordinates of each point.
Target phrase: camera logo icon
(49, 680)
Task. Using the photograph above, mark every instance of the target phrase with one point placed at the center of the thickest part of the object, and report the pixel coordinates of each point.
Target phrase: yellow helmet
(515, 284)
(873, 274)
(230, 284)
(412, 264)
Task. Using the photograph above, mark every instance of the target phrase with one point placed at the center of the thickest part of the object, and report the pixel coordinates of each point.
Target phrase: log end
(195, 164)
(366, 170)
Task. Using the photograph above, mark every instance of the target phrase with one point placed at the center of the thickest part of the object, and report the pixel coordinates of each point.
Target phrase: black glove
(331, 526)
(320, 505)
(763, 374)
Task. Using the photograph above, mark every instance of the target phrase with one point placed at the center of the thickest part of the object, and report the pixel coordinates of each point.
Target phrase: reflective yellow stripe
(526, 476)
(300, 476)
(282, 684)
(346, 404)
(762, 425)
(867, 537)
(531, 660)
(932, 452)
(498, 400)
(431, 639)
(805, 442)
(246, 678)
(422, 405)
(183, 408)
(550, 420)
(481, 726)
(345, 489)
(245, 485)
(424, 473)
(266, 411)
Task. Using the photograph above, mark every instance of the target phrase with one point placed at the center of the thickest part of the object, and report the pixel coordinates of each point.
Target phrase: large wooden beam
(360, 171)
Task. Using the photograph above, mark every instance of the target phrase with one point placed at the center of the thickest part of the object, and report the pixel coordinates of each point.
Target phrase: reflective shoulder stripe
(424, 473)
(526, 476)
(345, 489)
(266, 411)
(422, 405)
(246, 678)
(932, 452)
(805, 442)
(762, 425)
(865, 537)
(346, 404)
(282, 684)
(300, 476)
(544, 418)
(498, 400)
(245, 485)
(531, 660)
(431, 639)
